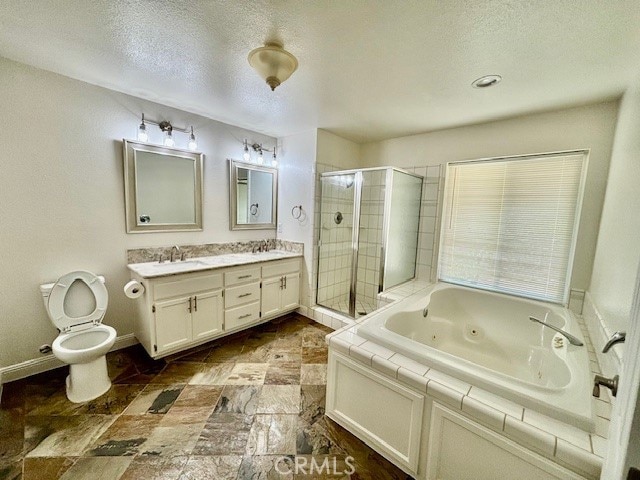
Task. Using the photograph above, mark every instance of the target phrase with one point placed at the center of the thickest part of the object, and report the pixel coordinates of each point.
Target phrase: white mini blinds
(510, 224)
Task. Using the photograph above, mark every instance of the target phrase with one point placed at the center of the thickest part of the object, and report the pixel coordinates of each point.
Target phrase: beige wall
(617, 255)
(590, 127)
(62, 194)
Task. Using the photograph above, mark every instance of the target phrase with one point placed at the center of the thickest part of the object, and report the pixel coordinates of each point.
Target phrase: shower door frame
(355, 228)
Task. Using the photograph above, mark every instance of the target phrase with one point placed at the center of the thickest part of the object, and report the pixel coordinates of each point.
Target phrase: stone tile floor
(248, 406)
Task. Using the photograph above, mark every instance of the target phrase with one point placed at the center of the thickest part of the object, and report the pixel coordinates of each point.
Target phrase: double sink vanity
(220, 288)
(186, 303)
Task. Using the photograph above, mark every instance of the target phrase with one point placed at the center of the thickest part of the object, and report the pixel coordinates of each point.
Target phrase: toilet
(83, 341)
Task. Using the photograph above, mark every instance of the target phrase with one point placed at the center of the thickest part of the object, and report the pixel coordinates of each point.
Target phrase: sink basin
(178, 266)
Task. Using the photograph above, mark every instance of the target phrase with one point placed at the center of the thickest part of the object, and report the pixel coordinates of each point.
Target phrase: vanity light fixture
(273, 63)
(168, 129)
(259, 149)
(143, 136)
(274, 161)
(193, 145)
(246, 156)
(168, 134)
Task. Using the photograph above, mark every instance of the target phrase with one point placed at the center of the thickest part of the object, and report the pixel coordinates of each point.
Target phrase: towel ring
(296, 212)
(254, 209)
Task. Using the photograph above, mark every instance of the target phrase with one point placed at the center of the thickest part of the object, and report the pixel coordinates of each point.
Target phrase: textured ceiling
(368, 69)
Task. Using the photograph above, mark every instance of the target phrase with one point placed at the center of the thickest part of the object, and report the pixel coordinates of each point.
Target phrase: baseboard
(49, 362)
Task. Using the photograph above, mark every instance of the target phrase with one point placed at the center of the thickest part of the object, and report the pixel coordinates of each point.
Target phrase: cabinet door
(207, 314)
(271, 293)
(461, 449)
(173, 323)
(291, 292)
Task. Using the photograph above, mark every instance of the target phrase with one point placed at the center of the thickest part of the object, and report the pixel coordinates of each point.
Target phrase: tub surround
(470, 334)
(151, 254)
(564, 444)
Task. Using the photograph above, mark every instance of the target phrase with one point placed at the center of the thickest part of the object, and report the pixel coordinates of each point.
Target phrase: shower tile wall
(370, 240)
(335, 270)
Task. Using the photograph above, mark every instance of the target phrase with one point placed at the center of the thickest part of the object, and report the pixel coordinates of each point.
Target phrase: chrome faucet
(572, 340)
(175, 249)
(617, 337)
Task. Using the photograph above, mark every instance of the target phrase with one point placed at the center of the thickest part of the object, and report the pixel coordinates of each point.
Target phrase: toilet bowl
(83, 341)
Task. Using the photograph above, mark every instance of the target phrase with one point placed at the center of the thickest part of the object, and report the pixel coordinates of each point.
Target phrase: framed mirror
(163, 188)
(253, 192)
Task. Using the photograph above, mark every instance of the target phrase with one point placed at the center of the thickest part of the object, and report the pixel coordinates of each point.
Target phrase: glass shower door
(402, 229)
(335, 252)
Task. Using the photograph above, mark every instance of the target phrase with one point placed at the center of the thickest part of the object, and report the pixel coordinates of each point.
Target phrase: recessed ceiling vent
(486, 81)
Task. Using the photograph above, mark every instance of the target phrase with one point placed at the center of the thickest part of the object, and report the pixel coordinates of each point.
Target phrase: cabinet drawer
(187, 286)
(237, 277)
(280, 268)
(236, 317)
(242, 294)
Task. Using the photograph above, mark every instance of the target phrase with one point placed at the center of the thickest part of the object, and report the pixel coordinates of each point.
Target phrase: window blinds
(509, 225)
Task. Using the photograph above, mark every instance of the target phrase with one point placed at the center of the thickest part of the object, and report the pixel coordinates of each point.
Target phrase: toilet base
(87, 381)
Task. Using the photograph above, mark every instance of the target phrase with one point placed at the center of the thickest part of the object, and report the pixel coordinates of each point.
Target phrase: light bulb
(193, 145)
(274, 163)
(246, 155)
(143, 136)
(168, 138)
(260, 157)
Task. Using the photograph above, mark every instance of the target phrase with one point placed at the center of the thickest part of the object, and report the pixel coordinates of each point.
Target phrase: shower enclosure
(369, 221)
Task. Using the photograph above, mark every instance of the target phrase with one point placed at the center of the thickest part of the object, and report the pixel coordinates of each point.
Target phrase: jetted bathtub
(487, 340)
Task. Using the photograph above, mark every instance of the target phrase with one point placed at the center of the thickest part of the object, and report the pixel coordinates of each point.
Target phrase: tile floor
(249, 406)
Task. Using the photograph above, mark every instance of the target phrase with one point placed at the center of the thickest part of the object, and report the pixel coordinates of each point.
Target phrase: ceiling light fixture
(486, 81)
(273, 63)
(168, 129)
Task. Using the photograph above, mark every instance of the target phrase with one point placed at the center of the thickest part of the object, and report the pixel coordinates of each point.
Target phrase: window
(510, 224)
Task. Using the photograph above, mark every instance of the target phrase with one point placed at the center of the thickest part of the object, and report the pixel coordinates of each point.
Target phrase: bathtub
(487, 340)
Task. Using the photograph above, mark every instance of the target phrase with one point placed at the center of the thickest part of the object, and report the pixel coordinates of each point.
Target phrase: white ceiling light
(273, 63)
(486, 81)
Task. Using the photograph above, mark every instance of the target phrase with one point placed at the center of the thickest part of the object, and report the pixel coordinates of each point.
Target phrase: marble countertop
(197, 264)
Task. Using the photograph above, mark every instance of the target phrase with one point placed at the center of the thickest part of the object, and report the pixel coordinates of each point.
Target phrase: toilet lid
(59, 292)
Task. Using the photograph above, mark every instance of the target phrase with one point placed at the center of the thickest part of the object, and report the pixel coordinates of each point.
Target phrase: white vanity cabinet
(280, 287)
(185, 309)
(179, 311)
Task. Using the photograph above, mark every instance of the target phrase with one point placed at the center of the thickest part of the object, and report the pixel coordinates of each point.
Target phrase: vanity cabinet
(280, 288)
(183, 319)
(179, 311)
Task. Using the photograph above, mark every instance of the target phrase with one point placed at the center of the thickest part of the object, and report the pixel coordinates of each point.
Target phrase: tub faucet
(175, 249)
(572, 340)
(618, 337)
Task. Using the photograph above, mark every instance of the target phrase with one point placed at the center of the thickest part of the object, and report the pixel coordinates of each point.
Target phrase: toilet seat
(59, 291)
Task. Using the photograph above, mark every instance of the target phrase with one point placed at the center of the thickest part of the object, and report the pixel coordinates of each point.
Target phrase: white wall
(590, 127)
(618, 250)
(62, 194)
(337, 151)
(296, 186)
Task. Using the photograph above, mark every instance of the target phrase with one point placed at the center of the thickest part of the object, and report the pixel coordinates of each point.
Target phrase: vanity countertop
(197, 264)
